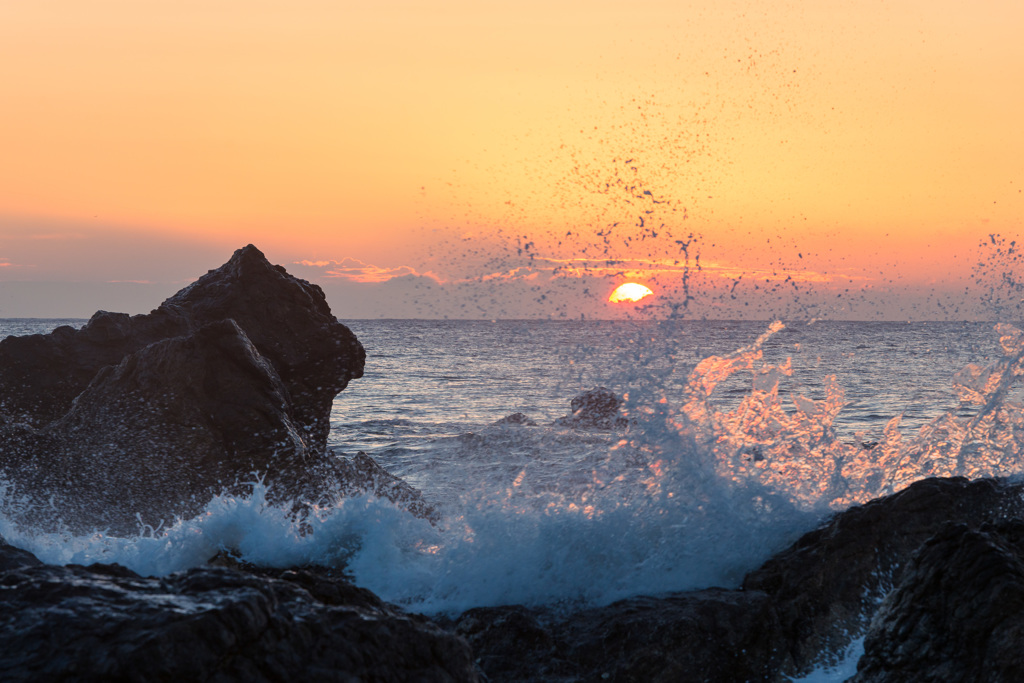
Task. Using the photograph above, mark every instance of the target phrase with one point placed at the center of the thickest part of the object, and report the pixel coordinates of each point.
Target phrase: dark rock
(516, 419)
(105, 623)
(594, 409)
(362, 474)
(710, 635)
(173, 421)
(516, 643)
(804, 603)
(286, 318)
(827, 585)
(172, 425)
(957, 615)
(161, 432)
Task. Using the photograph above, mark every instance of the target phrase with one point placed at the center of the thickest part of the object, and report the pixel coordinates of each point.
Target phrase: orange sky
(880, 141)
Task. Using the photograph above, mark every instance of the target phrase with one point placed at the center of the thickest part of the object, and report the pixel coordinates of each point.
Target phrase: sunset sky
(826, 158)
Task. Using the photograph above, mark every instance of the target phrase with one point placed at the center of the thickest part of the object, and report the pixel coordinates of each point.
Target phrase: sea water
(741, 437)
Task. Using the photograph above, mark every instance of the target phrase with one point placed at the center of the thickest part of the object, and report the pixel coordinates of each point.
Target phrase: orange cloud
(647, 268)
(360, 271)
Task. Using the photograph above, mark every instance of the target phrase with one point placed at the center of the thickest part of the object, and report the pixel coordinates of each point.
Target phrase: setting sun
(630, 291)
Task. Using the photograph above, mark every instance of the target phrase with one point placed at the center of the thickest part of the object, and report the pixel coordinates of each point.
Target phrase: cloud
(360, 271)
(643, 268)
(7, 263)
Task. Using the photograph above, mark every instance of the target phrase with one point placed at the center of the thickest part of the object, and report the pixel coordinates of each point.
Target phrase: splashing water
(696, 492)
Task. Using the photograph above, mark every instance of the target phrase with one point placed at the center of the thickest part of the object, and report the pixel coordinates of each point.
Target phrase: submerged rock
(106, 623)
(594, 409)
(516, 419)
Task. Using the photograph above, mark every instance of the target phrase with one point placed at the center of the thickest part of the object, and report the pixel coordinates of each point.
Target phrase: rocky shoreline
(933, 575)
(236, 373)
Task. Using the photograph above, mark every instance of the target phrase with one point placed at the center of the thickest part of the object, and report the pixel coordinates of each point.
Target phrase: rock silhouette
(230, 379)
(287, 319)
(106, 623)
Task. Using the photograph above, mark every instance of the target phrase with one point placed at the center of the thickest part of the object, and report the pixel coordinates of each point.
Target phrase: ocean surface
(742, 436)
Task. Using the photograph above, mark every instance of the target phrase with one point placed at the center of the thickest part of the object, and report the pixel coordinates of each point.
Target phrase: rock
(957, 615)
(806, 601)
(286, 318)
(709, 635)
(516, 419)
(162, 432)
(105, 623)
(826, 586)
(594, 409)
(362, 474)
(230, 379)
(170, 426)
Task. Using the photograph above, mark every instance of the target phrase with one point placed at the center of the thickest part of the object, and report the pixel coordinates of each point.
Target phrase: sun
(630, 291)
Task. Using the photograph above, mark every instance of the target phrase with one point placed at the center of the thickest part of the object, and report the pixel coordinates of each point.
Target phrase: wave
(693, 494)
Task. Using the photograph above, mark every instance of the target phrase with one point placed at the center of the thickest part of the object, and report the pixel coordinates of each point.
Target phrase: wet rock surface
(141, 419)
(287, 319)
(105, 623)
(715, 635)
(594, 409)
(957, 615)
(826, 586)
(809, 599)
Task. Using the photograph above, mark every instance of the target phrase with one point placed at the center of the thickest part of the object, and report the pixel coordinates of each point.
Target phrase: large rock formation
(231, 378)
(106, 623)
(286, 319)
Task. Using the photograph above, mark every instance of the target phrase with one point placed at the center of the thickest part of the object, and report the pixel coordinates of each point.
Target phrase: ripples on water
(731, 455)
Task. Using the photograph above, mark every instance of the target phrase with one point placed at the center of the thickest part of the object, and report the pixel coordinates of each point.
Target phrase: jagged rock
(170, 426)
(161, 432)
(106, 623)
(809, 599)
(827, 585)
(594, 409)
(286, 318)
(710, 635)
(229, 379)
(957, 615)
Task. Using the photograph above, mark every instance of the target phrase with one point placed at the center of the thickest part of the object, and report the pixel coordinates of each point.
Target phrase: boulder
(106, 623)
(709, 635)
(230, 379)
(287, 319)
(957, 615)
(804, 604)
(161, 432)
(594, 409)
(826, 586)
(171, 425)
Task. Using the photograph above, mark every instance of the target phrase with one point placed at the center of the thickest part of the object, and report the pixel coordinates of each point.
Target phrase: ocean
(741, 437)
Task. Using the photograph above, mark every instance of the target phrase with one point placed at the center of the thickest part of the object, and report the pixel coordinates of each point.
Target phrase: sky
(810, 159)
